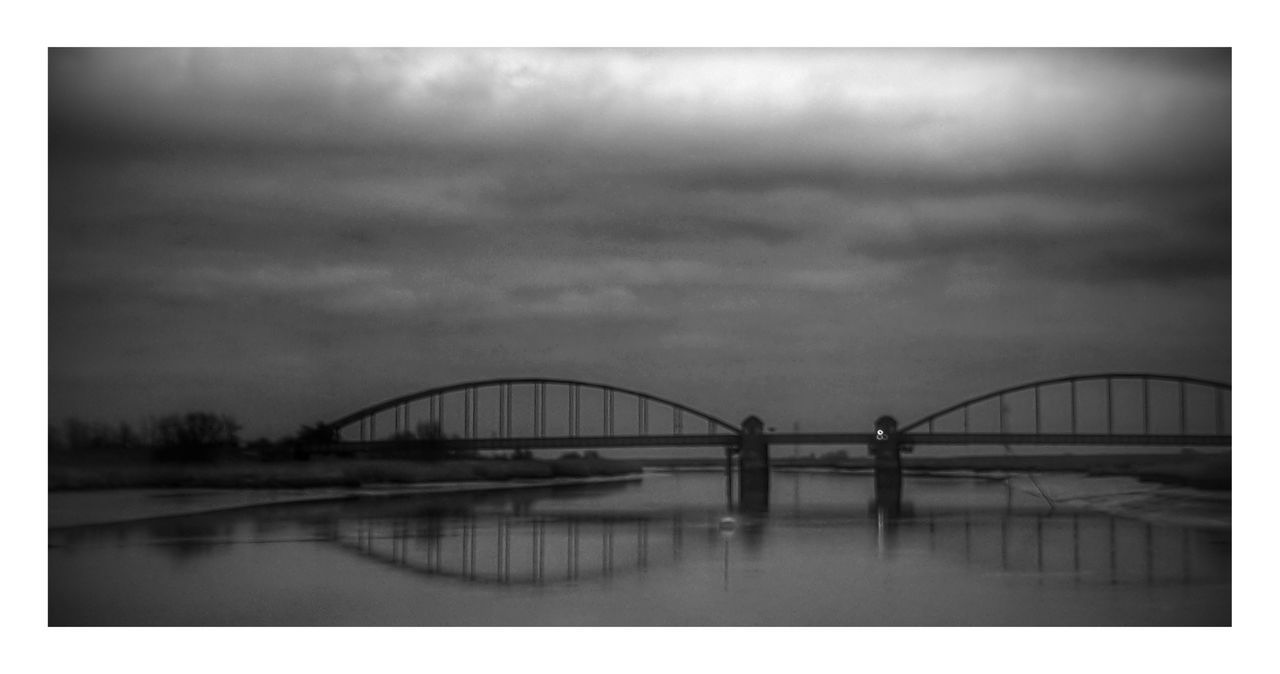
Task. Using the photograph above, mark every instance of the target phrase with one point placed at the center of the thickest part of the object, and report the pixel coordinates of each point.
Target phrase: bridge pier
(729, 496)
(753, 466)
(886, 447)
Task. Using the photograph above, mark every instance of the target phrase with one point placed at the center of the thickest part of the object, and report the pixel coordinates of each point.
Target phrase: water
(657, 552)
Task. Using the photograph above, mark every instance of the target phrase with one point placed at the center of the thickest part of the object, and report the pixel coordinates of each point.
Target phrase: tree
(126, 436)
(429, 430)
(78, 435)
(195, 434)
(318, 433)
(431, 436)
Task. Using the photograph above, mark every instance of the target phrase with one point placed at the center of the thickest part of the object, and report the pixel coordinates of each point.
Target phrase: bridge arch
(1219, 391)
(539, 410)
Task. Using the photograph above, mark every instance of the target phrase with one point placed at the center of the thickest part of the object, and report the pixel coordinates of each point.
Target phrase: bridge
(1105, 409)
(533, 413)
(1108, 409)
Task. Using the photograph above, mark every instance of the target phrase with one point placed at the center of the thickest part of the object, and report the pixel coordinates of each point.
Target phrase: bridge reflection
(555, 537)
(1082, 547)
(514, 550)
(550, 549)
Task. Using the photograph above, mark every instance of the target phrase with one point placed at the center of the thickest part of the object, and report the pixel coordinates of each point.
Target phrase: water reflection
(516, 550)
(676, 536)
(185, 539)
(1084, 547)
(542, 549)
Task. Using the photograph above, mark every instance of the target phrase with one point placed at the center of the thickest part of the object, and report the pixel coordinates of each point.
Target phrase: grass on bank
(1188, 468)
(329, 473)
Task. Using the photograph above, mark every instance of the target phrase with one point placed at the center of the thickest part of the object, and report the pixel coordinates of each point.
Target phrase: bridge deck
(857, 439)
(1131, 439)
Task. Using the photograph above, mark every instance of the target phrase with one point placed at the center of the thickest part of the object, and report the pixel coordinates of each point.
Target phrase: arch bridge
(533, 413)
(1110, 408)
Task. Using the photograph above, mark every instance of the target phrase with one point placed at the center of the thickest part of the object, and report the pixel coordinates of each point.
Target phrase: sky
(816, 237)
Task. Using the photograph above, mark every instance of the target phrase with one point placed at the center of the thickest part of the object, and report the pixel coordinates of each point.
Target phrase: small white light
(880, 434)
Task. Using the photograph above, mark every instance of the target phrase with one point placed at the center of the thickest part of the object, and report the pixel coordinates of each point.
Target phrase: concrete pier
(886, 447)
(753, 463)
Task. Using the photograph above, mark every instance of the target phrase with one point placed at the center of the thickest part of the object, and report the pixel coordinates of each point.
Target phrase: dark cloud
(319, 228)
(1163, 245)
(687, 230)
(1160, 179)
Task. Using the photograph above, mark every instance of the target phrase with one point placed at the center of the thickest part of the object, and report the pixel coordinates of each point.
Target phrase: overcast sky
(810, 236)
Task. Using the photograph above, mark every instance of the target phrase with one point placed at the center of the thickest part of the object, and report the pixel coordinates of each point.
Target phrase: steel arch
(1103, 376)
(392, 403)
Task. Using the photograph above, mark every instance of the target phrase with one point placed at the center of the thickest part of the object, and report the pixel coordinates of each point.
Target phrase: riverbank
(321, 474)
(114, 506)
(1131, 498)
(1188, 468)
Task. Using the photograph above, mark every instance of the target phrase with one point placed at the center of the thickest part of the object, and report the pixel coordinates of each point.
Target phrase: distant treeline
(193, 429)
(202, 435)
(184, 435)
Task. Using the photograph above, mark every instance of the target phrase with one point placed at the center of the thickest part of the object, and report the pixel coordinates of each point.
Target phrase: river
(666, 550)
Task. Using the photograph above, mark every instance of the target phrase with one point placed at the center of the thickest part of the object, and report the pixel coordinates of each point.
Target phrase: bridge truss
(534, 413)
(1112, 408)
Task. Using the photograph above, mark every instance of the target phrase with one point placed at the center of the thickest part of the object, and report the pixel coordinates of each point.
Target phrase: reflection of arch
(1218, 388)
(435, 398)
(1083, 546)
(559, 553)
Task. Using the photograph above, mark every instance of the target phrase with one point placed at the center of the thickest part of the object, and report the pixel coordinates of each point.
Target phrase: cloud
(605, 271)
(690, 229)
(365, 215)
(840, 279)
(603, 300)
(988, 110)
(1151, 250)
